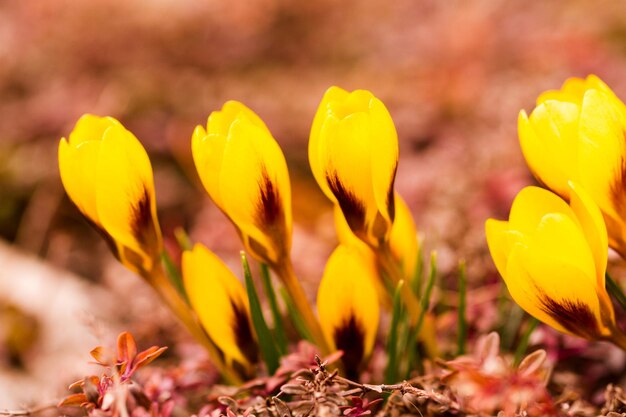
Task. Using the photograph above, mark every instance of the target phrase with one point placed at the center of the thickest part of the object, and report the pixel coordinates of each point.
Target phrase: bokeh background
(454, 75)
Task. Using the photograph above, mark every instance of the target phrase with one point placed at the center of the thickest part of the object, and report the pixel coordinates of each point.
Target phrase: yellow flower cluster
(353, 152)
(552, 252)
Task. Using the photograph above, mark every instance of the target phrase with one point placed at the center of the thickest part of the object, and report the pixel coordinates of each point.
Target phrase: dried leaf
(293, 389)
(102, 355)
(74, 400)
(281, 408)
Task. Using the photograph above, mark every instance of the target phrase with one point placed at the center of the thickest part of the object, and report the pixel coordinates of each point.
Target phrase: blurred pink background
(453, 74)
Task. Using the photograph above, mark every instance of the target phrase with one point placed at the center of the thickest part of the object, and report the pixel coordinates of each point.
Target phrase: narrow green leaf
(413, 354)
(417, 281)
(279, 330)
(269, 351)
(391, 373)
(295, 317)
(616, 291)
(174, 275)
(462, 320)
(511, 328)
(183, 239)
(523, 343)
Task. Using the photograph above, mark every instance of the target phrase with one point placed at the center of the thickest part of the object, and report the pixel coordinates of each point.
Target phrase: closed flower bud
(107, 174)
(348, 306)
(220, 301)
(244, 171)
(353, 152)
(577, 133)
(553, 259)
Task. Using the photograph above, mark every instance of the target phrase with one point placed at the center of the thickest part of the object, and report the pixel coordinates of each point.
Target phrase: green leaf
(174, 275)
(413, 358)
(269, 352)
(279, 330)
(391, 373)
(616, 291)
(523, 343)
(462, 320)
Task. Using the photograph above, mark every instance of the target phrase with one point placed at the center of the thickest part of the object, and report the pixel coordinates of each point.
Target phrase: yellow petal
(500, 241)
(348, 306)
(353, 151)
(602, 151)
(125, 194)
(593, 227)
(90, 127)
(347, 238)
(523, 290)
(572, 91)
(561, 285)
(317, 146)
(208, 152)
(219, 122)
(384, 156)
(549, 142)
(220, 301)
(530, 206)
(255, 190)
(348, 168)
(78, 174)
(403, 239)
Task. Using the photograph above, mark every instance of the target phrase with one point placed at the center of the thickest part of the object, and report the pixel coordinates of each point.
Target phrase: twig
(25, 413)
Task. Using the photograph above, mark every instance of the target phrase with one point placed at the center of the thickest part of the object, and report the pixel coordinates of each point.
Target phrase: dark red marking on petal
(618, 189)
(269, 207)
(573, 316)
(353, 209)
(350, 338)
(391, 200)
(243, 333)
(141, 222)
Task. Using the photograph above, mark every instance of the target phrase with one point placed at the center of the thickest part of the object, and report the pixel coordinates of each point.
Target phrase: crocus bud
(220, 301)
(553, 258)
(353, 152)
(577, 133)
(244, 171)
(348, 306)
(107, 174)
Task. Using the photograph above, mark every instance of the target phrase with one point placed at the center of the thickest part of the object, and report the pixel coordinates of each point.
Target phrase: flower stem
(162, 285)
(393, 271)
(288, 277)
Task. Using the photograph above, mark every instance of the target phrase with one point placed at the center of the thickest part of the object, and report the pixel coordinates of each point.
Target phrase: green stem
(288, 277)
(411, 302)
(392, 341)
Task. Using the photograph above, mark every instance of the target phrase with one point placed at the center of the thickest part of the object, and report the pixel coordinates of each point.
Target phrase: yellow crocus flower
(244, 171)
(353, 153)
(107, 174)
(348, 306)
(553, 258)
(577, 133)
(220, 301)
